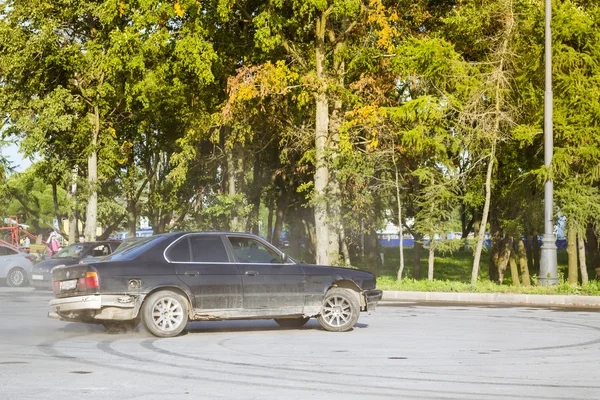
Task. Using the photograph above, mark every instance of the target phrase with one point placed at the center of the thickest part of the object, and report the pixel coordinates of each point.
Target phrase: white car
(15, 266)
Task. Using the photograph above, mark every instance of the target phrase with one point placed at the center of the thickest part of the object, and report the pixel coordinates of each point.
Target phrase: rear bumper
(41, 279)
(95, 307)
(372, 297)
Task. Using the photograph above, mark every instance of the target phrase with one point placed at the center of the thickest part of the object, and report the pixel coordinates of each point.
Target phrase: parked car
(164, 281)
(15, 266)
(123, 244)
(41, 276)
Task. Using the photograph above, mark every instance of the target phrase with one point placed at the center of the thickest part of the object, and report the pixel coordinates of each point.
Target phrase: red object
(90, 281)
(14, 229)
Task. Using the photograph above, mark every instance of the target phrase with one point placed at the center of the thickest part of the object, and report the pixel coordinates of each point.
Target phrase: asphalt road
(401, 351)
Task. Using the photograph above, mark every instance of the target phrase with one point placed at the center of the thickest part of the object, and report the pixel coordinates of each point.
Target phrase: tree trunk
(418, 246)
(523, 263)
(582, 263)
(270, 220)
(282, 204)
(514, 270)
(400, 223)
(310, 239)
(92, 206)
(572, 252)
(496, 250)
(55, 202)
(484, 217)
(504, 259)
(252, 225)
(529, 253)
(131, 198)
(372, 250)
(72, 198)
(321, 176)
(231, 189)
(131, 219)
(536, 253)
(592, 242)
(431, 259)
(344, 246)
(362, 239)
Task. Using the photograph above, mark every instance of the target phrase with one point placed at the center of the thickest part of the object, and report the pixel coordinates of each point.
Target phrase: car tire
(120, 326)
(292, 322)
(340, 310)
(16, 277)
(165, 313)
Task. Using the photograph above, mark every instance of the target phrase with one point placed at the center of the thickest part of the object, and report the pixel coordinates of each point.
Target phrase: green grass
(452, 273)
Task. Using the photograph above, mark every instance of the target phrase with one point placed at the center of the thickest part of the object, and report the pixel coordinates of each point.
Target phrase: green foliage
(418, 92)
(563, 288)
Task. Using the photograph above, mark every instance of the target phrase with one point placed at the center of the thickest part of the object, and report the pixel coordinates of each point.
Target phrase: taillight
(90, 281)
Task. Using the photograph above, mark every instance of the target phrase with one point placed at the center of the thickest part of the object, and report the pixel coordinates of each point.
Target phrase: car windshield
(73, 251)
(129, 245)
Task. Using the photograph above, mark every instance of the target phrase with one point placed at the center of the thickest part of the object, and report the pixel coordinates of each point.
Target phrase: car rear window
(208, 249)
(179, 252)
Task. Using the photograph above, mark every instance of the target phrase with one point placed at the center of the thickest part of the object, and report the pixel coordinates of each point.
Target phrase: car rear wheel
(165, 313)
(292, 322)
(16, 277)
(120, 326)
(340, 310)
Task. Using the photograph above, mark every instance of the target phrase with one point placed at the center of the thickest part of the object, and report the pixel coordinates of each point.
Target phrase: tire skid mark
(106, 346)
(149, 344)
(566, 323)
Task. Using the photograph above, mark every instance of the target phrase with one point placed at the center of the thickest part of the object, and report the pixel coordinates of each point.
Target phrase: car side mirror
(285, 259)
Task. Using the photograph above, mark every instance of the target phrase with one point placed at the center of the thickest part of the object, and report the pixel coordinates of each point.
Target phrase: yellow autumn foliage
(178, 9)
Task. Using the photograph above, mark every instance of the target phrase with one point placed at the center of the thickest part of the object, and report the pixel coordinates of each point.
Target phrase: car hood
(48, 264)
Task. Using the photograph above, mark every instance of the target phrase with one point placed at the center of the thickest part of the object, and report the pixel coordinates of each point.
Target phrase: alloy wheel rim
(16, 277)
(167, 314)
(337, 311)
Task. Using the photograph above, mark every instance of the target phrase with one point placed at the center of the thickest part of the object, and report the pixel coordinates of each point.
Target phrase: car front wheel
(340, 310)
(165, 313)
(16, 277)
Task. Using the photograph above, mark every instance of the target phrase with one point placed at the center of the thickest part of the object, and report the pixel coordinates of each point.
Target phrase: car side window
(180, 252)
(9, 252)
(3, 251)
(100, 251)
(208, 249)
(251, 251)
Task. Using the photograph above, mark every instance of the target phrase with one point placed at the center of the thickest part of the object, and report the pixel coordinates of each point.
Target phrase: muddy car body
(167, 280)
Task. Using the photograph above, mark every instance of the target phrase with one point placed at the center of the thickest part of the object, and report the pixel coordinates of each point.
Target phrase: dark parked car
(167, 280)
(41, 276)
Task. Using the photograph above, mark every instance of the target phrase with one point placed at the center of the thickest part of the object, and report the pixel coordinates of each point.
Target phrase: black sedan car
(41, 276)
(167, 280)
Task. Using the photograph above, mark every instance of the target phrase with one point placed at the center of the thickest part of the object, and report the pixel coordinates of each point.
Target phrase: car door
(202, 263)
(4, 262)
(271, 286)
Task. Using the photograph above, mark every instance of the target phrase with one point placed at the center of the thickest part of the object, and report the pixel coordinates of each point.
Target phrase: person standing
(53, 245)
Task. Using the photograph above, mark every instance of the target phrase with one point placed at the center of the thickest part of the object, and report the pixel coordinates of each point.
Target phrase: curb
(494, 298)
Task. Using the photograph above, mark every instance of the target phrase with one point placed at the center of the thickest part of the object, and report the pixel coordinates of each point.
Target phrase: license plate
(37, 277)
(68, 285)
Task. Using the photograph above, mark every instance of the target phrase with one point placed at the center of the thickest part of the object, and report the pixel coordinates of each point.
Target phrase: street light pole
(548, 266)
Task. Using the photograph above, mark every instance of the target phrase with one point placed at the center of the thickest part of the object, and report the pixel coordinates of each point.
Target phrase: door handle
(251, 273)
(192, 273)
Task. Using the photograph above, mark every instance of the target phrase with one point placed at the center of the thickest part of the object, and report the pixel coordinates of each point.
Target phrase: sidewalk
(494, 298)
